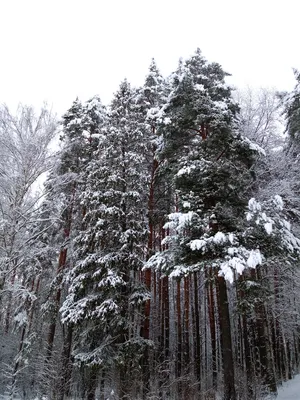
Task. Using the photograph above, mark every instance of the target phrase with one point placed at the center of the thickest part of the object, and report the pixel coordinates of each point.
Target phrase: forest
(161, 258)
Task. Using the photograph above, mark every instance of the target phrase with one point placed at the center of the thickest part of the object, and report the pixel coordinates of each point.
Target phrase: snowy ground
(290, 390)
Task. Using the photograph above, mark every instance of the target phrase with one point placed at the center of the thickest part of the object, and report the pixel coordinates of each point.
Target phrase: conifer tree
(214, 174)
(150, 99)
(81, 126)
(212, 168)
(105, 292)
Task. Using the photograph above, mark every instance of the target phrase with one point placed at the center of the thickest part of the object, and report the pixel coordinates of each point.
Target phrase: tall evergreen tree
(80, 137)
(105, 292)
(212, 168)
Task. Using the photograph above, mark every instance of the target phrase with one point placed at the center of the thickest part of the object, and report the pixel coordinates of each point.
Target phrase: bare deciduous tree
(260, 116)
(24, 157)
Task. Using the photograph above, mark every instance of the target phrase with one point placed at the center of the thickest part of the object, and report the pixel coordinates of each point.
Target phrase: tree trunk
(246, 359)
(186, 322)
(147, 280)
(52, 327)
(225, 338)
(60, 268)
(179, 336)
(197, 333)
(264, 343)
(92, 384)
(212, 325)
(66, 371)
(9, 303)
(166, 316)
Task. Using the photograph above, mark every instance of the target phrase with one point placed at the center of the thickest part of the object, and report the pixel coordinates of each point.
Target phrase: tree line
(161, 259)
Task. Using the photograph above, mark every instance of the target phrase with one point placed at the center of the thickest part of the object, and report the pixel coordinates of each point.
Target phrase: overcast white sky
(55, 50)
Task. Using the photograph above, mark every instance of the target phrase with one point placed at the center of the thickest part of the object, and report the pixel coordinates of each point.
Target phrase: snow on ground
(290, 390)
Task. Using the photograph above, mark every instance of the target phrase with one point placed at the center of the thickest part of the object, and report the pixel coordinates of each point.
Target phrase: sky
(56, 50)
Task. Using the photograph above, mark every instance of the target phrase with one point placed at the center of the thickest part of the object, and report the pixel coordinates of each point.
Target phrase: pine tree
(150, 99)
(63, 182)
(105, 292)
(212, 168)
(81, 125)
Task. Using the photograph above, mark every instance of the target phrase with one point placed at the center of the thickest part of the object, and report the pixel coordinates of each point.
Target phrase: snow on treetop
(199, 87)
(254, 259)
(185, 170)
(254, 146)
(218, 239)
(179, 270)
(157, 261)
(237, 260)
(186, 204)
(268, 227)
(21, 318)
(156, 113)
(106, 307)
(179, 220)
(94, 103)
(286, 224)
(221, 104)
(198, 244)
(278, 201)
(254, 205)
(277, 225)
(255, 209)
(111, 279)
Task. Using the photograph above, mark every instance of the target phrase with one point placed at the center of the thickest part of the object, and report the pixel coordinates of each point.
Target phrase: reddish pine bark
(179, 329)
(197, 346)
(147, 275)
(212, 325)
(186, 321)
(225, 339)
(60, 268)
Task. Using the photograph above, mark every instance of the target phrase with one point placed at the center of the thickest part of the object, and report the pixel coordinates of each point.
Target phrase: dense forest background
(161, 259)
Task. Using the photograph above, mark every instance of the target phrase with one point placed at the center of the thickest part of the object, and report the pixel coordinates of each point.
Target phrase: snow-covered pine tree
(80, 133)
(150, 99)
(61, 185)
(105, 292)
(212, 167)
